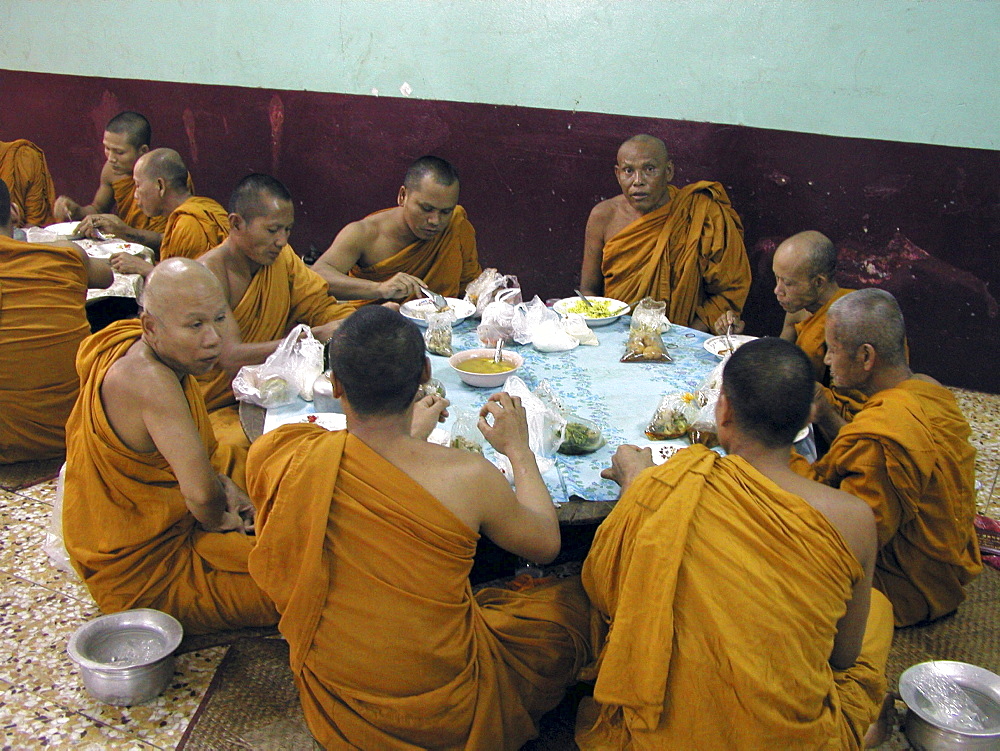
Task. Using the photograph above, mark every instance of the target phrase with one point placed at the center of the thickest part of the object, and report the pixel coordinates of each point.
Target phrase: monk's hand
(627, 462)
(66, 209)
(126, 263)
(400, 286)
(428, 411)
(103, 227)
(504, 423)
(16, 216)
(240, 512)
(727, 319)
(325, 332)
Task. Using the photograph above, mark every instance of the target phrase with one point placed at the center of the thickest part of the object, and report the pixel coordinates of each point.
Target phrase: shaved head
(650, 142)
(165, 164)
(870, 316)
(173, 277)
(815, 250)
(250, 198)
(133, 126)
(441, 170)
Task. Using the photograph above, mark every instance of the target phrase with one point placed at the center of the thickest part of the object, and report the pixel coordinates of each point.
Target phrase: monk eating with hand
(195, 224)
(152, 516)
(269, 290)
(425, 241)
(906, 453)
(43, 289)
(32, 194)
(682, 246)
(366, 540)
(732, 588)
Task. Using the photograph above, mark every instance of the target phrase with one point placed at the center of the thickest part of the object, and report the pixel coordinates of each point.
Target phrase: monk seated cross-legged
(906, 453)
(32, 194)
(366, 538)
(426, 241)
(269, 289)
(151, 516)
(682, 246)
(43, 289)
(733, 601)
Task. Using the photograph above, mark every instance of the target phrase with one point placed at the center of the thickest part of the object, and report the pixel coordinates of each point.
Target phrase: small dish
(417, 310)
(485, 380)
(719, 347)
(576, 305)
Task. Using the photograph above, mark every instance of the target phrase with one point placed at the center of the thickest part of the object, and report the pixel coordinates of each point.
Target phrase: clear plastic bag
(527, 317)
(491, 285)
(433, 387)
(673, 416)
(577, 327)
(498, 319)
(645, 344)
(54, 545)
(546, 424)
(580, 436)
(437, 336)
(465, 433)
(287, 374)
(703, 428)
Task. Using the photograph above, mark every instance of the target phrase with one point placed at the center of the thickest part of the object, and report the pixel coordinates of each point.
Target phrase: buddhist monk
(195, 224)
(32, 194)
(269, 289)
(366, 540)
(43, 289)
(732, 599)
(425, 241)
(150, 517)
(907, 454)
(126, 138)
(683, 246)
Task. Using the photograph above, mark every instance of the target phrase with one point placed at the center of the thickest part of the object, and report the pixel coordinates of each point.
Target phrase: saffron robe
(128, 531)
(810, 337)
(447, 263)
(389, 647)
(703, 568)
(23, 169)
(42, 322)
(194, 227)
(689, 253)
(907, 454)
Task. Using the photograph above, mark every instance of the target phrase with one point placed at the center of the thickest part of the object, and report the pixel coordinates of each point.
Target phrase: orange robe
(446, 263)
(389, 647)
(810, 336)
(194, 227)
(907, 454)
(23, 169)
(689, 253)
(128, 531)
(42, 322)
(716, 597)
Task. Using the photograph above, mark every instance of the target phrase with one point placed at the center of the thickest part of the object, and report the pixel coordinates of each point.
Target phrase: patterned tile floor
(42, 700)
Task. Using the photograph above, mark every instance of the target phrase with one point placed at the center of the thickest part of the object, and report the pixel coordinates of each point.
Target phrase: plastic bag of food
(673, 416)
(437, 336)
(545, 426)
(287, 374)
(713, 381)
(432, 387)
(491, 285)
(465, 433)
(645, 344)
(577, 327)
(528, 316)
(581, 436)
(550, 336)
(498, 319)
(703, 428)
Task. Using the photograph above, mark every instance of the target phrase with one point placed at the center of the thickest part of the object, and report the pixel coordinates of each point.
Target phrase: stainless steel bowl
(126, 658)
(931, 730)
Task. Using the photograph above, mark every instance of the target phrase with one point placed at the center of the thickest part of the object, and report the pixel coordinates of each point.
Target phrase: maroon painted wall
(922, 221)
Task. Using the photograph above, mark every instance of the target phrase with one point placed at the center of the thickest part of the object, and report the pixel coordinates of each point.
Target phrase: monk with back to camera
(708, 563)
(152, 514)
(682, 246)
(32, 194)
(269, 290)
(906, 453)
(366, 541)
(425, 241)
(43, 290)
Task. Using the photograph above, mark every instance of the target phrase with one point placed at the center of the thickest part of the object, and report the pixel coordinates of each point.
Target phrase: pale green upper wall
(901, 70)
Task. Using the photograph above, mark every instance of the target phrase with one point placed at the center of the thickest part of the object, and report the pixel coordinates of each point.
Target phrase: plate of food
(63, 229)
(604, 310)
(107, 248)
(417, 310)
(719, 347)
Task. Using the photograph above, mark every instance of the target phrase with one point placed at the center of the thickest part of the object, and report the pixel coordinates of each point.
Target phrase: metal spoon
(497, 354)
(439, 302)
(584, 298)
(729, 341)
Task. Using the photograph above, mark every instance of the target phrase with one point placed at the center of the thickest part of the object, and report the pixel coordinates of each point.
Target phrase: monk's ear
(723, 411)
(236, 222)
(143, 149)
(668, 170)
(338, 387)
(402, 195)
(425, 374)
(868, 356)
(148, 323)
(161, 186)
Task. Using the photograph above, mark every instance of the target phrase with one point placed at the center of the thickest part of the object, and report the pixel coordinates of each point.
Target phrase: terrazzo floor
(42, 701)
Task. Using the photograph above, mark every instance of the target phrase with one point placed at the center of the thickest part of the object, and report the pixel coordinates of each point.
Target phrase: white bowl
(718, 346)
(485, 380)
(417, 310)
(562, 307)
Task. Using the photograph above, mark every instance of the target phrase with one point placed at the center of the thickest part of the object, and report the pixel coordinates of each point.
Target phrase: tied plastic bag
(545, 427)
(492, 285)
(550, 336)
(527, 317)
(288, 373)
(498, 323)
(581, 436)
(437, 337)
(465, 433)
(673, 416)
(577, 327)
(644, 341)
(703, 428)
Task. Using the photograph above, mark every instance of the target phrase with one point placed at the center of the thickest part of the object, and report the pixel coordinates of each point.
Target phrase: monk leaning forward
(426, 241)
(43, 289)
(32, 194)
(366, 540)
(681, 246)
(269, 289)
(148, 520)
(730, 597)
(907, 454)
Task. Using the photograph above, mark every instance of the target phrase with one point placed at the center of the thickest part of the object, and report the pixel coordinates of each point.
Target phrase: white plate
(717, 344)
(562, 307)
(107, 248)
(63, 228)
(417, 310)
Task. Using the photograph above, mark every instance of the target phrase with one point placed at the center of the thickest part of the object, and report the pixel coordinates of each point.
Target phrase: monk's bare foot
(880, 730)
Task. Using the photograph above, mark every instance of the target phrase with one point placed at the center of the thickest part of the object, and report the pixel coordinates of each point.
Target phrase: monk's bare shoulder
(138, 375)
(852, 517)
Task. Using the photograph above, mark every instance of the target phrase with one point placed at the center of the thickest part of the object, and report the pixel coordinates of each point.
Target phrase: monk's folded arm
(868, 479)
(726, 275)
(851, 626)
